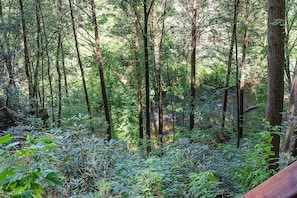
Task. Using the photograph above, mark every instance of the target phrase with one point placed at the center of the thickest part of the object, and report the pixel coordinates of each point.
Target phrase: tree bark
(242, 70)
(48, 64)
(59, 51)
(64, 71)
(147, 78)
(38, 57)
(229, 64)
(26, 53)
(11, 90)
(158, 71)
(276, 62)
(138, 74)
(193, 63)
(291, 132)
(79, 60)
(101, 74)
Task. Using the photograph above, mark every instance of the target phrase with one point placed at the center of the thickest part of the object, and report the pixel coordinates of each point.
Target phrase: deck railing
(281, 185)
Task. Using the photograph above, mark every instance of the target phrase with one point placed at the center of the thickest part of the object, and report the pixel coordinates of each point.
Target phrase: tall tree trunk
(12, 92)
(291, 134)
(229, 64)
(42, 94)
(242, 69)
(26, 53)
(147, 77)
(79, 60)
(237, 89)
(276, 62)
(48, 63)
(100, 68)
(287, 50)
(158, 71)
(138, 74)
(290, 40)
(64, 71)
(193, 63)
(38, 42)
(59, 51)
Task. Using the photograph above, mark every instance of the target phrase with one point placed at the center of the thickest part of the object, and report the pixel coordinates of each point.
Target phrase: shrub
(23, 173)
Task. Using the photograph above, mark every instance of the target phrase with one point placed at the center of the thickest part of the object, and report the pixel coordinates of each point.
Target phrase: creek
(208, 114)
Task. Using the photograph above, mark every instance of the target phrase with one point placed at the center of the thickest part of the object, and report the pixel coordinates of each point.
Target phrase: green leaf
(6, 173)
(53, 178)
(5, 139)
(12, 145)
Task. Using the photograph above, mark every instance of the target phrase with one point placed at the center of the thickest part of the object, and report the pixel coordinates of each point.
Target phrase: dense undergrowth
(73, 162)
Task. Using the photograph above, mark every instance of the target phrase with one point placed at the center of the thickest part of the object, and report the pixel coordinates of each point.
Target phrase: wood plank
(281, 185)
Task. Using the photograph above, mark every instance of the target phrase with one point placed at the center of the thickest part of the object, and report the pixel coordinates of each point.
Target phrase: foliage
(253, 168)
(195, 165)
(82, 158)
(26, 172)
(203, 185)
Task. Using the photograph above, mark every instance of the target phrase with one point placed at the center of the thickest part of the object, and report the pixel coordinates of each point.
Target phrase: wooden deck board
(281, 185)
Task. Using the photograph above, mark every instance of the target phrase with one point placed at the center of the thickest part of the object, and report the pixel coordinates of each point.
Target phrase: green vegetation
(193, 166)
(54, 139)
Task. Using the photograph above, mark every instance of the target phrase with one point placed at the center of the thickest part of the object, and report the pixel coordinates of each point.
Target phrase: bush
(25, 172)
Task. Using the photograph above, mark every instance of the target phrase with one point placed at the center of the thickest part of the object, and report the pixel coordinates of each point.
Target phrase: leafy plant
(83, 158)
(253, 167)
(23, 173)
(203, 184)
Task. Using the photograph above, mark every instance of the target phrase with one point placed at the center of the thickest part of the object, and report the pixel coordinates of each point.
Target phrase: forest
(145, 98)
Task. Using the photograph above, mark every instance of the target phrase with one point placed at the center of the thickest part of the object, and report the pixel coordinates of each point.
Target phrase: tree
(242, 70)
(158, 70)
(290, 140)
(193, 62)
(58, 54)
(229, 63)
(7, 51)
(26, 53)
(146, 9)
(100, 69)
(38, 56)
(138, 73)
(79, 59)
(48, 68)
(276, 62)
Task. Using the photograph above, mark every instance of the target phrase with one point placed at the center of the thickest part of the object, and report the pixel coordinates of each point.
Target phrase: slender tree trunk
(290, 140)
(158, 70)
(38, 42)
(64, 71)
(42, 94)
(287, 50)
(48, 63)
(12, 93)
(138, 75)
(26, 53)
(237, 90)
(236, 3)
(100, 68)
(79, 60)
(243, 68)
(193, 63)
(276, 62)
(147, 79)
(59, 51)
